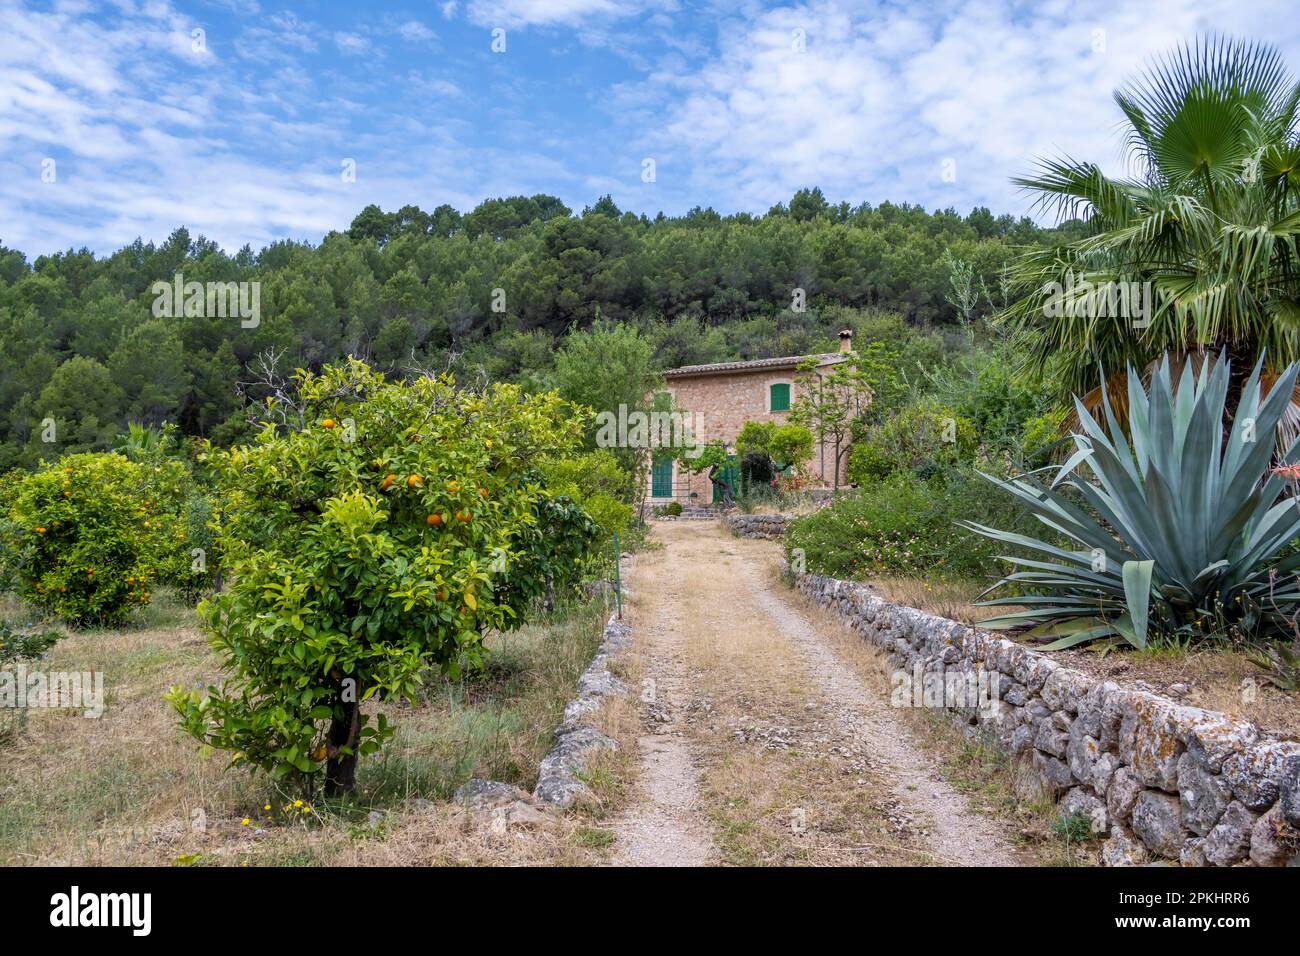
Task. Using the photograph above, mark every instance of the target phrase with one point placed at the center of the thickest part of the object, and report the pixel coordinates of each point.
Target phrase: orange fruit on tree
(434, 519)
(388, 480)
(463, 516)
(414, 481)
(320, 753)
(453, 486)
(328, 423)
(482, 492)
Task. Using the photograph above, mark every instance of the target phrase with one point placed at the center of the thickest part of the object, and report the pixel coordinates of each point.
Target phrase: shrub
(187, 558)
(1040, 437)
(923, 438)
(1184, 534)
(868, 462)
(10, 533)
(24, 643)
(901, 525)
(599, 485)
(785, 445)
(88, 533)
(384, 536)
(17, 645)
(549, 551)
(673, 508)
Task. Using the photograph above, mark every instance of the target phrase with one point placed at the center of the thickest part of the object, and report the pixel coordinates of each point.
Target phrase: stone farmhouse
(720, 398)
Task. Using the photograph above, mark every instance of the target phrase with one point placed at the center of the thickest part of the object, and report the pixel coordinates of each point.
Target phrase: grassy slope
(128, 788)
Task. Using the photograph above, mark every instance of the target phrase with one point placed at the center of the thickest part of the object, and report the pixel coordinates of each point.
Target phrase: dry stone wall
(1163, 782)
(758, 526)
(560, 777)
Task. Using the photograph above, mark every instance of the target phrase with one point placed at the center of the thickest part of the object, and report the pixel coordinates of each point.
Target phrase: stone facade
(1162, 781)
(719, 400)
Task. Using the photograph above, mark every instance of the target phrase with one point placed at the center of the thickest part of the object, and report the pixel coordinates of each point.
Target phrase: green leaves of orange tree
(343, 586)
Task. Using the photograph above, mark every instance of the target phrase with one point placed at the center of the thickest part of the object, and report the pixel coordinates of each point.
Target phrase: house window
(779, 397)
(661, 478)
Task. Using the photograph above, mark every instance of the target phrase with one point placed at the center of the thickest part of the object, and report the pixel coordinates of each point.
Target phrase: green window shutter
(780, 397)
(661, 478)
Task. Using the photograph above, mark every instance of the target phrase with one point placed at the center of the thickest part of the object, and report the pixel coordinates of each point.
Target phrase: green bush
(599, 484)
(868, 463)
(1040, 436)
(785, 445)
(10, 533)
(905, 526)
(18, 645)
(87, 535)
(923, 438)
(673, 508)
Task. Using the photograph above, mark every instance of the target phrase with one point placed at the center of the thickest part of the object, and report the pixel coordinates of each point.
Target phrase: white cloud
(413, 31)
(525, 13)
(432, 86)
(146, 138)
(875, 101)
(352, 44)
(274, 38)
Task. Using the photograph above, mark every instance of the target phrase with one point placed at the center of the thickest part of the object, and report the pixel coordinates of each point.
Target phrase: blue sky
(241, 132)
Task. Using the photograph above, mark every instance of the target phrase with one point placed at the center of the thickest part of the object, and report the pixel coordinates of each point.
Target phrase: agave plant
(1180, 532)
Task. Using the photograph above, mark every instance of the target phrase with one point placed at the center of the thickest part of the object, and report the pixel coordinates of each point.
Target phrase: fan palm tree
(1209, 216)
(141, 442)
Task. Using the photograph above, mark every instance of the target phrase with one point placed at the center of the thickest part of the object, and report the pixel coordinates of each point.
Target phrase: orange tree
(377, 530)
(86, 535)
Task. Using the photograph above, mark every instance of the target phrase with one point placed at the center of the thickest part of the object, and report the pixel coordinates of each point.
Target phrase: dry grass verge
(945, 598)
(129, 789)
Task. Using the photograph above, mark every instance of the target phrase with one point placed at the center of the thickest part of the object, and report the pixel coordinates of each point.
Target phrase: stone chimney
(846, 340)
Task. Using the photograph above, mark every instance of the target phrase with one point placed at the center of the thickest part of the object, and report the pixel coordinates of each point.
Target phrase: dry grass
(795, 506)
(129, 789)
(1214, 678)
(945, 598)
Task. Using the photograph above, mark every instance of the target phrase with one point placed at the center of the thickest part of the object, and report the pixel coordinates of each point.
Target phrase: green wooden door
(724, 477)
(661, 478)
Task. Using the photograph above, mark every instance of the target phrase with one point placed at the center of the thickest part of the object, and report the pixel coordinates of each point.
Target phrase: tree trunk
(341, 771)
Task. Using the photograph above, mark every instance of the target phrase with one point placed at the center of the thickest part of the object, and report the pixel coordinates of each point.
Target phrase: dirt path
(665, 826)
(765, 741)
